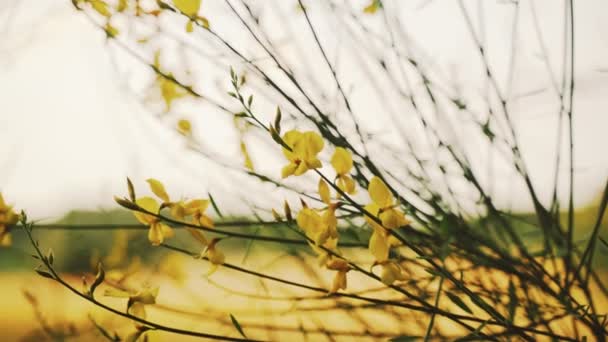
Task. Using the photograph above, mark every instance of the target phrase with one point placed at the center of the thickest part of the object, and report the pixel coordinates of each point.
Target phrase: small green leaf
(131, 190)
(44, 273)
(214, 205)
(50, 257)
(277, 120)
(237, 326)
(101, 274)
(126, 204)
(456, 300)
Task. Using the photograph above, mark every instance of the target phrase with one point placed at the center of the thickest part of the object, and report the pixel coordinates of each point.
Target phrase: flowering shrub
(394, 218)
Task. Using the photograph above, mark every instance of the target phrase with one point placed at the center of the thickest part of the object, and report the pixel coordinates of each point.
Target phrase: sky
(70, 133)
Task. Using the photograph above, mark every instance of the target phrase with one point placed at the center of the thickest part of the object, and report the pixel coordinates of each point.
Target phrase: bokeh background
(76, 119)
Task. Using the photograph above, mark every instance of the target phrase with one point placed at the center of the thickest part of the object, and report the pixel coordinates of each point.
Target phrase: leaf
(277, 120)
(237, 326)
(111, 31)
(126, 204)
(101, 274)
(50, 257)
(214, 205)
(131, 189)
(456, 300)
(44, 273)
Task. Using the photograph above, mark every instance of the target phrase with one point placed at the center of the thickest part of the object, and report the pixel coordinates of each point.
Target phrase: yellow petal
(198, 236)
(166, 231)
(215, 256)
(248, 162)
(308, 145)
(189, 7)
(392, 218)
(379, 193)
(331, 222)
(373, 210)
(190, 26)
(205, 221)
(212, 269)
(288, 170)
(342, 161)
(100, 7)
(146, 296)
(290, 138)
(138, 310)
(346, 184)
(158, 189)
(313, 163)
(149, 204)
(324, 191)
(301, 169)
(390, 273)
(196, 205)
(339, 282)
(155, 234)
(178, 211)
(308, 219)
(184, 127)
(372, 7)
(378, 246)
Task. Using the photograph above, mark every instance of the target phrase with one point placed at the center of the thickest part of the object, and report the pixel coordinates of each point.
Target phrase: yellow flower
(391, 272)
(322, 255)
(197, 209)
(303, 155)
(214, 255)
(137, 301)
(169, 89)
(158, 230)
(382, 207)
(342, 161)
(178, 210)
(339, 282)
(318, 227)
(7, 218)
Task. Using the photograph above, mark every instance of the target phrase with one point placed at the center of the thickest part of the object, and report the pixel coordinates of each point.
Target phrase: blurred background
(77, 118)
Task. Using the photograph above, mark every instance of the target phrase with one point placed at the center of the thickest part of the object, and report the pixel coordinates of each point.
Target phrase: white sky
(69, 133)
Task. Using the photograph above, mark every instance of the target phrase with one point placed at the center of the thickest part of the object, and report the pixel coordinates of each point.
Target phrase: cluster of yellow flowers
(320, 225)
(192, 212)
(8, 217)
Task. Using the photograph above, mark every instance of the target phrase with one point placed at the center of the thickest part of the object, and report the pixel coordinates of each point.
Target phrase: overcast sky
(67, 127)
